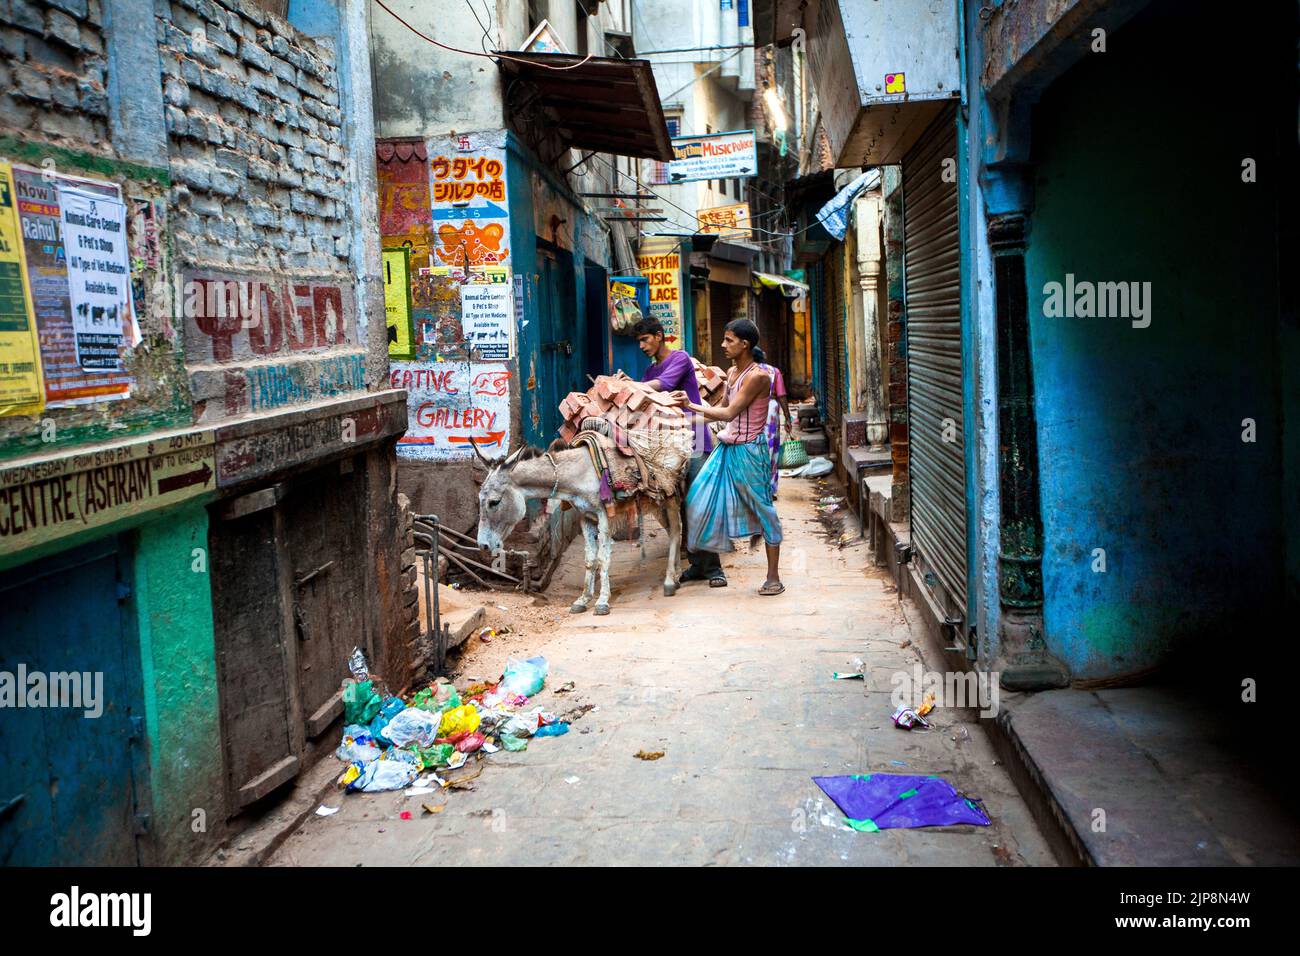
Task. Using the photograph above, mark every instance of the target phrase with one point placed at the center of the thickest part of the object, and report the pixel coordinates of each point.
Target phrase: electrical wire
(487, 56)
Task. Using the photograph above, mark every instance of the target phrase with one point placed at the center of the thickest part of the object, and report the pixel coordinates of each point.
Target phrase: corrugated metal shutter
(933, 309)
(833, 342)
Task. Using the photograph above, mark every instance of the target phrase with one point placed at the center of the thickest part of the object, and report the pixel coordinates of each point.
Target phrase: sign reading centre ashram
(49, 498)
(717, 156)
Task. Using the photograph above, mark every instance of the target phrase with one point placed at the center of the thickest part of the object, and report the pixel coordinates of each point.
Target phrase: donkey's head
(501, 502)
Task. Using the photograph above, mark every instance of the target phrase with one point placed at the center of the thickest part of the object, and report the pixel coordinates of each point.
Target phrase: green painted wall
(174, 610)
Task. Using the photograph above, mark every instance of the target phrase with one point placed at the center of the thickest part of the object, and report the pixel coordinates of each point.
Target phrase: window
(742, 13)
(659, 171)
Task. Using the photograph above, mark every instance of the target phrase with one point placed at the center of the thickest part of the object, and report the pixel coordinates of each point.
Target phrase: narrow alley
(736, 691)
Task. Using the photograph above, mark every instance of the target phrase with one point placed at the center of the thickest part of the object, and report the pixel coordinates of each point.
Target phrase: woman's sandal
(768, 590)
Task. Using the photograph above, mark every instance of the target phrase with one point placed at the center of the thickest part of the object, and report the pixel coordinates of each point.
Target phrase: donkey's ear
(513, 457)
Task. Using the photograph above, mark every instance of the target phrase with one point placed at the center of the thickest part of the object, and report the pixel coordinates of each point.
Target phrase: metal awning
(604, 104)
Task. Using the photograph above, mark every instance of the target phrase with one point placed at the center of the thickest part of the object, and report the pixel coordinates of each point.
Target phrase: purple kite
(890, 801)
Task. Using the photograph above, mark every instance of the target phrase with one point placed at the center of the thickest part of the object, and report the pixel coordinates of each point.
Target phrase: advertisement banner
(397, 303)
(21, 390)
(660, 262)
(717, 156)
(728, 222)
(470, 209)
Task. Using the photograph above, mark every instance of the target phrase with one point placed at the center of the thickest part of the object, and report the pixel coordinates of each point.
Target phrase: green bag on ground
(360, 703)
(437, 755)
(793, 454)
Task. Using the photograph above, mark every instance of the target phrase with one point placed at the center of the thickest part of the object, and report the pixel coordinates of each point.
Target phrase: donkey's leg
(605, 549)
(672, 517)
(589, 548)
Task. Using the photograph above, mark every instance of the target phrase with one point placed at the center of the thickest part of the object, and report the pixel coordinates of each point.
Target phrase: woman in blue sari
(732, 495)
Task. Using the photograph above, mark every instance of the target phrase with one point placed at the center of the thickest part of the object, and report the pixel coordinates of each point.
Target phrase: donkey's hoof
(670, 590)
(577, 608)
(602, 609)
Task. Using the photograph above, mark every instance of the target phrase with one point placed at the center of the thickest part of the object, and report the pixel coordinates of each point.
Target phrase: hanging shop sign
(717, 156)
(728, 222)
(22, 391)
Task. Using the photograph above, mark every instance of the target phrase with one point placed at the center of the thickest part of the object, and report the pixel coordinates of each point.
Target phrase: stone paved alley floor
(736, 689)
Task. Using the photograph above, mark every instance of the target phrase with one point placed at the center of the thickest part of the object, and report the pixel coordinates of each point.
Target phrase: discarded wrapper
(907, 718)
(357, 665)
(927, 705)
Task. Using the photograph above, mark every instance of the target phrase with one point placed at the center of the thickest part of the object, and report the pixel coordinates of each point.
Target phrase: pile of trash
(389, 743)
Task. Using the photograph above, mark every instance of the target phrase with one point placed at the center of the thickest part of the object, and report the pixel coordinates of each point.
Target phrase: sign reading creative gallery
(717, 156)
(452, 406)
(48, 498)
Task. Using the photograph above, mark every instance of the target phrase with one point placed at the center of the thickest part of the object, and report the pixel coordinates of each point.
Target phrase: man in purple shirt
(671, 370)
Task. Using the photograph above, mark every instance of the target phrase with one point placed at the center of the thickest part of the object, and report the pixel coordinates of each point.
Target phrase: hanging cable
(486, 56)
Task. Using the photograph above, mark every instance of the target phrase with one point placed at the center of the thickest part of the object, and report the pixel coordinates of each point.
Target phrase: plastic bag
(459, 720)
(390, 709)
(557, 729)
(384, 775)
(437, 755)
(357, 665)
(518, 726)
(360, 703)
(525, 677)
(470, 743)
(436, 698)
(402, 756)
(513, 743)
(413, 726)
(357, 745)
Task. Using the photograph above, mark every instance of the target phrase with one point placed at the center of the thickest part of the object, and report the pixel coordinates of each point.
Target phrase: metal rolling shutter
(933, 308)
(833, 342)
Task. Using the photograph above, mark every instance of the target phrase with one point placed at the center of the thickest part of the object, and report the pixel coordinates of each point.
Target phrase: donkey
(569, 475)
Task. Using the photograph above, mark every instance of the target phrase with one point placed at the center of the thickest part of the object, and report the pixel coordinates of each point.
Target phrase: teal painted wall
(1138, 154)
(173, 604)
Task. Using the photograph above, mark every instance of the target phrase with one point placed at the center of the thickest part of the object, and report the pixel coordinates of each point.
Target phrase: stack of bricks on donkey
(632, 399)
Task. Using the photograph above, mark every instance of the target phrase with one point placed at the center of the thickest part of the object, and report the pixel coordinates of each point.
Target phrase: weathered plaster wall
(174, 618)
(1140, 429)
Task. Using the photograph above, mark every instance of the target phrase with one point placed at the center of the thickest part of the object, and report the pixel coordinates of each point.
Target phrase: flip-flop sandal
(767, 591)
(717, 582)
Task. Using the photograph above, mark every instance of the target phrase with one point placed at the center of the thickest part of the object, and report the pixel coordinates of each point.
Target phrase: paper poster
(21, 390)
(450, 403)
(99, 277)
(66, 382)
(717, 156)
(397, 303)
(660, 263)
(470, 211)
(487, 319)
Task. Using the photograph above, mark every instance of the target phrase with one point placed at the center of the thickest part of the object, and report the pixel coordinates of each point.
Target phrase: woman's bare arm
(755, 384)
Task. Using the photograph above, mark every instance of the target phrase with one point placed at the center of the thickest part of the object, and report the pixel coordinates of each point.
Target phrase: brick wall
(53, 70)
(256, 151)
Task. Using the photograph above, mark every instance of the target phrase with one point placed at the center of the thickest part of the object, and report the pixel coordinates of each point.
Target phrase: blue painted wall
(1140, 430)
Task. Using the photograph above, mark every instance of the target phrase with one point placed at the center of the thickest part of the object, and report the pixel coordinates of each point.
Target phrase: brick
(283, 70)
(289, 178)
(32, 85)
(26, 15)
(264, 82)
(251, 10)
(91, 39)
(63, 89)
(266, 172)
(63, 28)
(16, 114)
(192, 172)
(206, 206)
(262, 215)
(176, 91)
(14, 44)
(72, 125)
(343, 246)
(177, 121)
(95, 12)
(223, 41)
(78, 8)
(253, 54)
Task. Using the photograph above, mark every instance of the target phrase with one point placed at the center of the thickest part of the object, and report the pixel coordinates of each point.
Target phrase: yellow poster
(22, 390)
(397, 303)
(729, 222)
(660, 262)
